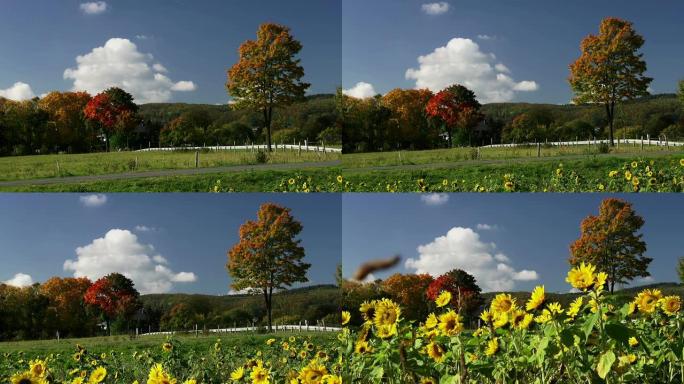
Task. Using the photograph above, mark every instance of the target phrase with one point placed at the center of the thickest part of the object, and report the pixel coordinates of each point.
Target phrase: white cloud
(184, 86)
(462, 62)
(486, 227)
(120, 251)
(361, 90)
(93, 200)
(94, 7)
(144, 228)
(486, 37)
(19, 91)
(462, 248)
(434, 198)
(141, 37)
(20, 280)
(435, 8)
(246, 291)
(645, 280)
(119, 64)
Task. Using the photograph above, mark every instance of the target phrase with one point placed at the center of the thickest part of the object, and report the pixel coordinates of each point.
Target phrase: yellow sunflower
(443, 299)
(436, 352)
(671, 304)
(97, 375)
(346, 316)
(647, 300)
(237, 374)
(581, 277)
(27, 378)
(387, 313)
(502, 303)
(313, 373)
(536, 299)
(492, 347)
(450, 323)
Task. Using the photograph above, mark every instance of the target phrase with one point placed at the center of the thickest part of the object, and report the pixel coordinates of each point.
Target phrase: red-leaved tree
(454, 108)
(465, 293)
(113, 296)
(113, 110)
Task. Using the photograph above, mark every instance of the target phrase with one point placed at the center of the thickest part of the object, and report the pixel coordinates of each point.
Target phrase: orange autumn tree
(408, 117)
(67, 121)
(67, 304)
(409, 292)
(268, 255)
(610, 242)
(610, 68)
(267, 74)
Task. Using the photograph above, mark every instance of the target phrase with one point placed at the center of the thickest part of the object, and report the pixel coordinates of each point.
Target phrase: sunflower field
(592, 340)
(280, 359)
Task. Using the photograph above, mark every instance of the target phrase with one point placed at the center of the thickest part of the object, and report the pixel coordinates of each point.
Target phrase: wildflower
(436, 352)
(443, 299)
(346, 316)
(633, 342)
(536, 299)
(237, 374)
(386, 331)
(681, 162)
(544, 317)
(492, 347)
(167, 347)
(339, 179)
(500, 319)
(367, 310)
(555, 308)
(671, 304)
(291, 181)
(526, 321)
(508, 185)
(647, 300)
(581, 277)
(427, 380)
(612, 174)
(601, 278)
(574, 307)
(628, 175)
(270, 341)
(634, 164)
(450, 323)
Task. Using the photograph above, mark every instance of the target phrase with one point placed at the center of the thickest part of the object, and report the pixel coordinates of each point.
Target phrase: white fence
(635, 142)
(251, 147)
(296, 328)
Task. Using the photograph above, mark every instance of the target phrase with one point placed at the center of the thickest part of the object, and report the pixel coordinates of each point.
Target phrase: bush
(603, 148)
(261, 157)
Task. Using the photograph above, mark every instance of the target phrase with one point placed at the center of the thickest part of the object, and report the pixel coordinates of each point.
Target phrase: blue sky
(535, 40)
(533, 232)
(191, 232)
(195, 41)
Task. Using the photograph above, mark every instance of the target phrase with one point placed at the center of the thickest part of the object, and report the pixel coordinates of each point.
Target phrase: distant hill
(623, 295)
(311, 303)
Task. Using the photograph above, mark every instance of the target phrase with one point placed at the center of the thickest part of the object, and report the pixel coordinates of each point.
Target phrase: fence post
(196, 159)
(538, 149)
(642, 143)
(58, 172)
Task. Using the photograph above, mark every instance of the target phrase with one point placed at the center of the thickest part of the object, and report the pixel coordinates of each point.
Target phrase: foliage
(466, 295)
(680, 269)
(610, 68)
(267, 73)
(594, 339)
(114, 297)
(611, 242)
(409, 291)
(114, 111)
(268, 255)
(455, 107)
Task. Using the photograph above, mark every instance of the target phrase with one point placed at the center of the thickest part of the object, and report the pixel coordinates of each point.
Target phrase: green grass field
(49, 166)
(204, 359)
(106, 344)
(466, 155)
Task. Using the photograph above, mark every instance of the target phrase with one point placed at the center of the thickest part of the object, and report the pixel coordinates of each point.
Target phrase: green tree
(267, 73)
(268, 256)
(681, 91)
(680, 269)
(610, 68)
(610, 242)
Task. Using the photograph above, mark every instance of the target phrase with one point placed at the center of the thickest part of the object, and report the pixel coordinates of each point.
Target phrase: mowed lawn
(465, 155)
(64, 165)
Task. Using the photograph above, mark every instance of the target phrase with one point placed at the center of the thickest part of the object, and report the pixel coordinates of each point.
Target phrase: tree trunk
(610, 109)
(268, 114)
(267, 298)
